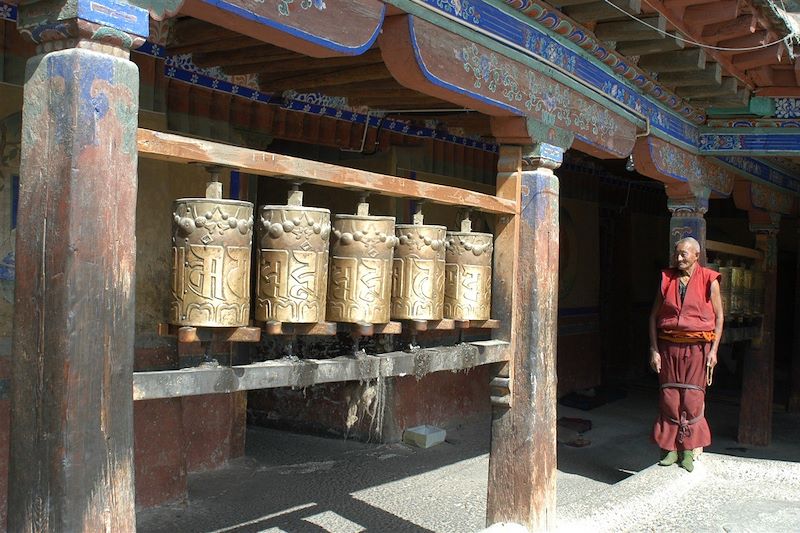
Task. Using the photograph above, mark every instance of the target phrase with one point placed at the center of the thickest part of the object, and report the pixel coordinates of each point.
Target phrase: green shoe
(687, 461)
(670, 458)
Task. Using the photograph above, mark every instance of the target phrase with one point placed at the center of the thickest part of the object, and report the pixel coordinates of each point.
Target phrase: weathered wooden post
(794, 383)
(522, 464)
(71, 457)
(755, 415)
(688, 205)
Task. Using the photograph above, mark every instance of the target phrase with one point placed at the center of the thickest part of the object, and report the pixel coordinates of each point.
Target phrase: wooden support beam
(763, 76)
(712, 75)
(755, 412)
(739, 27)
(758, 58)
(758, 38)
(337, 76)
(678, 5)
(728, 87)
(631, 30)
(262, 53)
(702, 15)
(522, 461)
(307, 372)
(565, 3)
(732, 249)
(793, 405)
(678, 61)
(310, 64)
(190, 31)
(231, 44)
(180, 149)
(71, 437)
(655, 46)
(602, 11)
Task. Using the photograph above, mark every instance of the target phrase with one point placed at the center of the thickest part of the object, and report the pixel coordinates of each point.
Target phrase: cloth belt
(686, 337)
(683, 424)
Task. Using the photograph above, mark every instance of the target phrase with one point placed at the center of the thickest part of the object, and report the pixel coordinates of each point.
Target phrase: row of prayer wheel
(362, 269)
(741, 288)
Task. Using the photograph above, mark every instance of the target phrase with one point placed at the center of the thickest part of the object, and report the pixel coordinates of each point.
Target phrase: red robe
(681, 424)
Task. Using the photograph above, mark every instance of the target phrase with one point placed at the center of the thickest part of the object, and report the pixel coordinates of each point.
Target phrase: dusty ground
(297, 483)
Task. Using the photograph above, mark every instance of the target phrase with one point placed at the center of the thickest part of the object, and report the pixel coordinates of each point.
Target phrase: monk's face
(685, 256)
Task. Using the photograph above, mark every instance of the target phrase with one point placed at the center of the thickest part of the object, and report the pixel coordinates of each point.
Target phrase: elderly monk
(685, 330)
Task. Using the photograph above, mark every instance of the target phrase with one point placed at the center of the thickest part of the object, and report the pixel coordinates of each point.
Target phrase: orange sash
(686, 337)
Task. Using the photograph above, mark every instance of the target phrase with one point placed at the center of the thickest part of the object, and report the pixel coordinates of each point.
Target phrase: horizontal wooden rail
(306, 372)
(181, 149)
(732, 249)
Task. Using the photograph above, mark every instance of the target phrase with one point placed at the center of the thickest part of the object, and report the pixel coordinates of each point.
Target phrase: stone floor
(300, 483)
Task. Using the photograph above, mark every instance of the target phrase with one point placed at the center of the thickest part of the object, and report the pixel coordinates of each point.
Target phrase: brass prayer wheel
(468, 274)
(360, 284)
(211, 243)
(292, 262)
(737, 290)
(758, 292)
(725, 287)
(747, 291)
(418, 271)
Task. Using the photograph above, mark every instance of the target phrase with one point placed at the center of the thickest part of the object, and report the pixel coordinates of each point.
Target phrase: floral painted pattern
(685, 166)
(463, 9)
(771, 199)
(285, 9)
(787, 107)
(556, 104)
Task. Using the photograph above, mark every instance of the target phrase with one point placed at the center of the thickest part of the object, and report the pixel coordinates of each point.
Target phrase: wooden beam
(654, 46)
(730, 29)
(180, 149)
(310, 64)
(336, 76)
(712, 75)
(746, 41)
(307, 372)
(188, 31)
(71, 437)
(253, 54)
(758, 58)
(234, 43)
(678, 61)
(565, 3)
(631, 30)
(678, 5)
(732, 249)
(522, 461)
(728, 87)
(713, 13)
(601, 11)
(755, 411)
(763, 76)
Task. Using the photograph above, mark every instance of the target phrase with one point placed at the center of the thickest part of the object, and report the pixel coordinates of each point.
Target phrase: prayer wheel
(725, 288)
(360, 285)
(758, 292)
(292, 262)
(211, 243)
(468, 274)
(737, 290)
(747, 292)
(418, 271)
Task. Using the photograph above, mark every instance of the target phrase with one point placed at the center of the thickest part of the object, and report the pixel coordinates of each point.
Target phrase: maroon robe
(681, 423)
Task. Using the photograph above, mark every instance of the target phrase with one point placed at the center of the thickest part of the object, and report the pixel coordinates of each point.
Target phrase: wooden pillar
(755, 416)
(794, 383)
(688, 208)
(522, 463)
(71, 456)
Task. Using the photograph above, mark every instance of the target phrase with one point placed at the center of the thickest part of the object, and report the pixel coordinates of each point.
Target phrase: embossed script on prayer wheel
(468, 276)
(360, 284)
(211, 262)
(418, 272)
(725, 288)
(293, 262)
(737, 290)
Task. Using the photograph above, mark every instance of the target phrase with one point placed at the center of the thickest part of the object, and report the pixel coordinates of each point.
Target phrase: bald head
(689, 241)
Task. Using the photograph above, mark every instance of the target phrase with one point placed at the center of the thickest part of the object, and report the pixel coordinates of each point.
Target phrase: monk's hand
(655, 361)
(711, 358)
